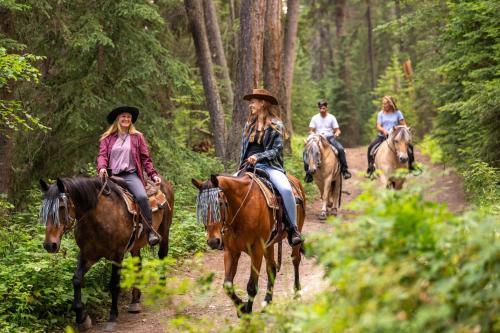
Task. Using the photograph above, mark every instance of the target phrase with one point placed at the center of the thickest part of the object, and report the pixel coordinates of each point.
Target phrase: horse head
(211, 210)
(57, 213)
(400, 137)
(312, 152)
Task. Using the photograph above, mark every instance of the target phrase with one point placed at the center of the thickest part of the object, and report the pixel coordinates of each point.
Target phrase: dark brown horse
(237, 219)
(103, 228)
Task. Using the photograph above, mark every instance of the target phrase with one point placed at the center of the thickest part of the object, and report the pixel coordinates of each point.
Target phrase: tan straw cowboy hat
(262, 94)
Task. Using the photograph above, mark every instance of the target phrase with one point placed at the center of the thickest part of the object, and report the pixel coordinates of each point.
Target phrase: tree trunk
(289, 56)
(194, 11)
(258, 51)
(370, 42)
(246, 76)
(6, 140)
(272, 47)
(217, 49)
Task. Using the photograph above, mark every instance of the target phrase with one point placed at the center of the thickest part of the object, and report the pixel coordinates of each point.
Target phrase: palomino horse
(393, 155)
(237, 219)
(103, 228)
(325, 166)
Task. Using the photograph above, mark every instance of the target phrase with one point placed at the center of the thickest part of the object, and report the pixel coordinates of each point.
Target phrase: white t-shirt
(324, 126)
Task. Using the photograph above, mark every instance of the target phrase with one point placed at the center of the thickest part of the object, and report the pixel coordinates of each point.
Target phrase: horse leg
(253, 282)
(114, 287)
(82, 318)
(271, 273)
(164, 231)
(325, 198)
(135, 305)
(296, 257)
(230, 267)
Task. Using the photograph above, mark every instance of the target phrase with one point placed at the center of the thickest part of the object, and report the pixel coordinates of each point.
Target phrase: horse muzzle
(51, 247)
(215, 243)
(403, 159)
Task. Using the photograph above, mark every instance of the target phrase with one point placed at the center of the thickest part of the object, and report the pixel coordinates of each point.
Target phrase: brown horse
(393, 155)
(237, 219)
(325, 166)
(103, 228)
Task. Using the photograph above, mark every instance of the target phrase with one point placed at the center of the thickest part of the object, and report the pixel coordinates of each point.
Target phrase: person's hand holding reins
(252, 160)
(103, 174)
(157, 180)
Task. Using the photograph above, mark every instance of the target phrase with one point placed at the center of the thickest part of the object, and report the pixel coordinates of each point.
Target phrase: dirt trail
(443, 186)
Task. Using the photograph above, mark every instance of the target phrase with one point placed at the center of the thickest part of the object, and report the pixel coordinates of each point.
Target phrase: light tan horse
(325, 166)
(393, 155)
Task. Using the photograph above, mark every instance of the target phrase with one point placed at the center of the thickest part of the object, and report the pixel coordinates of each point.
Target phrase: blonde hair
(114, 128)
(392, 102)
(270, 113)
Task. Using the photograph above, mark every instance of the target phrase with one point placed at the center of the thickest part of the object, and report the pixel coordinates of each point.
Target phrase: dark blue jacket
(273, 146)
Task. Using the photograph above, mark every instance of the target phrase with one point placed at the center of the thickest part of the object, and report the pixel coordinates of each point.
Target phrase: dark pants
(378, 140)
(136, 187)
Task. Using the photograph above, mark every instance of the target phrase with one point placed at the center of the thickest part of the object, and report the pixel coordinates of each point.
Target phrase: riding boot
(309, 177)
(294, 236)
(411, 158)
(371, 165)
(153, 236)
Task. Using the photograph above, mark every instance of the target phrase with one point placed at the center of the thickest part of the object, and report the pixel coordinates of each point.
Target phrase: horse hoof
(87, 324)
(322, 216)
(110, 326)
(134, 308)
(334, 212)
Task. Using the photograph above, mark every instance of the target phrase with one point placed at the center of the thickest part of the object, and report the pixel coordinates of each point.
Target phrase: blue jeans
(280, 181)
(136, 187)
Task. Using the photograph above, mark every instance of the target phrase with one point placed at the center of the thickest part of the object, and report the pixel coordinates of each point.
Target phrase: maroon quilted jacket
(140, 154)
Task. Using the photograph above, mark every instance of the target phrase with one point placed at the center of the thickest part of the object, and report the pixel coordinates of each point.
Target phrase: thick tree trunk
(370, 42)
(289, 56)
(246, 76)
(194, 11)
(272, 48)
(6, 141)
(258, 21)
(217, 49)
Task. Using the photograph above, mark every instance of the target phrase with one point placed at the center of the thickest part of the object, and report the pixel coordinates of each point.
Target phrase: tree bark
(6, 140)
(246, 76)
(272, 47)
(258, 51)
(289, 56)
(370, 42)
(194, 11)
(217, 49)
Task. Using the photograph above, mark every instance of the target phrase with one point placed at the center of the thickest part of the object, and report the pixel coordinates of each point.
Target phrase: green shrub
(482, 183)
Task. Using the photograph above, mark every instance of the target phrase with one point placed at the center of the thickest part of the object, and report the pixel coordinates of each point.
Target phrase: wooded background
(186, 65)
(64, 64)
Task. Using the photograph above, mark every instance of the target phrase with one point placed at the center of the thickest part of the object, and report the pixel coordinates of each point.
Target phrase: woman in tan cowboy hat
(262, 145)
(123, 152)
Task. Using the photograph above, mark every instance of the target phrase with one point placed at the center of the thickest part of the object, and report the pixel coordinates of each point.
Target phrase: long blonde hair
(392, 102)
(114, 128)
(270, 113)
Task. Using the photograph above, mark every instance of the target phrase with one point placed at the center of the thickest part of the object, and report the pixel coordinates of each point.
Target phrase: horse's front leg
(230, 267)
(325, 196)
(253, 282)
(271, 273)
(114, 287)
(82, 318)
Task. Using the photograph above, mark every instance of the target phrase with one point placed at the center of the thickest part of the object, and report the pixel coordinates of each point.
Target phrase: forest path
(442, 185)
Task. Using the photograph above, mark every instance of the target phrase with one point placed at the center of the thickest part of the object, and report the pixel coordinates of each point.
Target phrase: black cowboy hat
(121, 109)
(262, 94)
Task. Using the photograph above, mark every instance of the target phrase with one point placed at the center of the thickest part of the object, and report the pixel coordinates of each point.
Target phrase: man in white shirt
(326, 124)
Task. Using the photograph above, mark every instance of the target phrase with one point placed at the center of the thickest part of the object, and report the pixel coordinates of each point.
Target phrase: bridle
(390, 139)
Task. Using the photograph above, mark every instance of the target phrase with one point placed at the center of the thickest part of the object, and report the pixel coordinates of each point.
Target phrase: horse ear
(60, 185)
(196, 183)
(215, 181)
(43, 185)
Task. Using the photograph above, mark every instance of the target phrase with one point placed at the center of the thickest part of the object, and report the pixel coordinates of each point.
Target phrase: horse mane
(402, 133)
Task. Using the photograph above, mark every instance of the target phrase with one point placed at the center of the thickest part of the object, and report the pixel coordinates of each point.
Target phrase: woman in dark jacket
(124, 152)
(262, 145)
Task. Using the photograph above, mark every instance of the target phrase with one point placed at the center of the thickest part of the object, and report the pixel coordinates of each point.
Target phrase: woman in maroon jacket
(123, 152)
